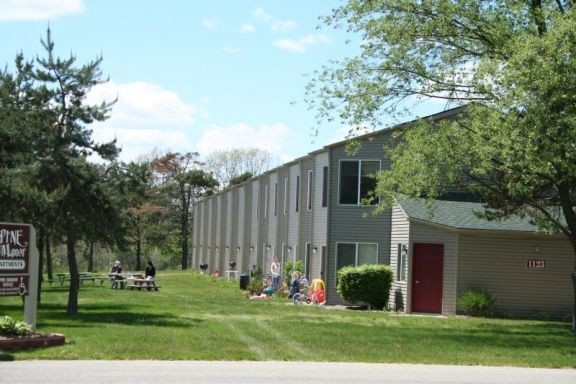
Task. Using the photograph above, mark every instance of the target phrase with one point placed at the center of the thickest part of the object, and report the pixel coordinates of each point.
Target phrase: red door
(427, 276)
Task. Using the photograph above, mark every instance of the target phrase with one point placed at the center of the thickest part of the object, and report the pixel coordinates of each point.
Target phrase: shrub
(366, 283)
(474, 302)
(10, 327)
(290, 267)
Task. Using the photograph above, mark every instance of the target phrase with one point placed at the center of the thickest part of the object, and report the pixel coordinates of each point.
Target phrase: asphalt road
(269, 372)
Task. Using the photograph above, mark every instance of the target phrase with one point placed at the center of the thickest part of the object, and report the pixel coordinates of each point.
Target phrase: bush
(290, 267)
(10, 327)
(366, 283)
(474, 302)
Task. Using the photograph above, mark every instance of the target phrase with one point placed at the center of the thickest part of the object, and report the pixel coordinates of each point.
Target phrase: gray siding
(499, 265)
(242, 234)
(254, 223)
(293, 215)
(305, 215)
(272, 221)
(282, 215)
(263, 224)
(354, 223)
(319, 217)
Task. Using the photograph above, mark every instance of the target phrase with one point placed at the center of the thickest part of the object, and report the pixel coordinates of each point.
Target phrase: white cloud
(146, 116)
(209, 24)
(269, 137)
(28, 10)
(302, 44)
(276, 25)
(247, 28)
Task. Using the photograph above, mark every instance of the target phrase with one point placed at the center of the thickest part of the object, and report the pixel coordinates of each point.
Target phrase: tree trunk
(184, 200)
(74, 276)
(91, 257)
(574, 305)
(40, 245)
(48, 248)
(184, 241)
(138, 245)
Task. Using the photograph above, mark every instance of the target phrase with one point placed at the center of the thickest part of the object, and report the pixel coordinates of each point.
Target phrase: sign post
(19, 266)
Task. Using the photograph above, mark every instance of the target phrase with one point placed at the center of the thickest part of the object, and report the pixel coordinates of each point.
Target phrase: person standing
(275, 273)
(150, 273)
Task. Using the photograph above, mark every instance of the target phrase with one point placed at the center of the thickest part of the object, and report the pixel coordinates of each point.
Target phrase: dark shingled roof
(460, 215)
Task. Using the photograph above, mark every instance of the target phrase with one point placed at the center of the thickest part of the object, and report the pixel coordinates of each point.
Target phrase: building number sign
(535, 264)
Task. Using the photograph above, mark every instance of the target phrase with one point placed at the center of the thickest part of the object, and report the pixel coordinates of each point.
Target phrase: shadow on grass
(90, 314)
(529, 337)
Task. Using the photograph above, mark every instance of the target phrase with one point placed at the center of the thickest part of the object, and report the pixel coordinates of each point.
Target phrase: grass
(195, 317)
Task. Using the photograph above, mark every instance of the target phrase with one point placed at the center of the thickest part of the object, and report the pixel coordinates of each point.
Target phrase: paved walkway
(269, 372)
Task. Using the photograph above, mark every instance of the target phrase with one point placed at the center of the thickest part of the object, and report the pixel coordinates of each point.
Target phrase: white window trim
(401, 266)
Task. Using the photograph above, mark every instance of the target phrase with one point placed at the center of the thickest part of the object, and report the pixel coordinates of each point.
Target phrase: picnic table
(83, 276)
(139, 283)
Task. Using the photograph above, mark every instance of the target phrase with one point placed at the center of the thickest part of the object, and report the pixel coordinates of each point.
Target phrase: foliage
(510, 62)
(368, 283)
(233, 166)
(11, 327)
(50, 179)
(256, 283)
(182, 183)
(290, 267)
(241, 178)
(473, 302)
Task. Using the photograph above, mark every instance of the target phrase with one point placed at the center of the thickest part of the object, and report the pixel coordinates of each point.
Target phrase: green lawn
(195, 317)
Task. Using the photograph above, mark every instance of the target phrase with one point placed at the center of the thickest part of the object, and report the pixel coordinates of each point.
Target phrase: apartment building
(314, 209)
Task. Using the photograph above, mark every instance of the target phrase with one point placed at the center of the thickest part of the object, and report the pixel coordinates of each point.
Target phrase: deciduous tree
(182, 182)
(511, 62)
(229, 164)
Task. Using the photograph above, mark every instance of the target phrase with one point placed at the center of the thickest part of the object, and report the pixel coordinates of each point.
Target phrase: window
(285, 208)
(357, 181)
(356, 254)
(266, 201)
(401, 262)
(307, 254)
(324, 187)
(275, 199)
(309, 192)
(297, 192)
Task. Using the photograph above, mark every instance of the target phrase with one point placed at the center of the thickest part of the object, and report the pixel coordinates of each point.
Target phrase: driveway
(269, 372)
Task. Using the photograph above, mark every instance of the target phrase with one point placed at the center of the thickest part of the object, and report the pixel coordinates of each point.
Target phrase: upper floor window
(309, 192)
(358, 181)
(297, 192)
(285, 208)
(324, 187)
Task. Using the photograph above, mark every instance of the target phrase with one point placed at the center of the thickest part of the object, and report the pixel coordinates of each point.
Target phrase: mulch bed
(32, 341)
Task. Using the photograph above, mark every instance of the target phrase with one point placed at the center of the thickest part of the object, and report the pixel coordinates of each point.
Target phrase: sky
(191, 75)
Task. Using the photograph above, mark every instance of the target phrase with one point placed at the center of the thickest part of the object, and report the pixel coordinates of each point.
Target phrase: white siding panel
(400, 234)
